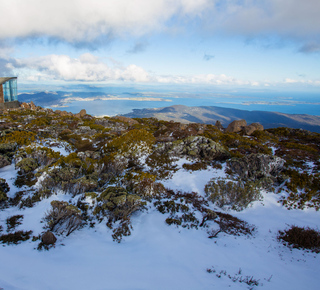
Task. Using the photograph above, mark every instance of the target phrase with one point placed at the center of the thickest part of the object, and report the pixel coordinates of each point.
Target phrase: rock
(25, 106)
(48, 238)
(81, 114)
(130, 121)
(256, 166)
(236, 126)
(253, 127)
(33, 106)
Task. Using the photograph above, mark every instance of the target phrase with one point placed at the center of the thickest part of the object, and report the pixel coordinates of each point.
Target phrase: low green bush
(235, 195)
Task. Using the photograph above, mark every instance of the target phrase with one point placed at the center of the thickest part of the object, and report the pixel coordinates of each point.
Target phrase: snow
(190, 181)
(158, 256)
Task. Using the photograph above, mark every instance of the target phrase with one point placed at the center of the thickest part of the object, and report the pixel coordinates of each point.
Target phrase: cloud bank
(90, 68)
(81, 21)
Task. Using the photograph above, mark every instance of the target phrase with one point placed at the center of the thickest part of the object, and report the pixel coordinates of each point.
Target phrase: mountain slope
(210, 114)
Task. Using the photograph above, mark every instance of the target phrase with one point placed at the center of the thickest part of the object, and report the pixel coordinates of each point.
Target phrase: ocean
(115, 99)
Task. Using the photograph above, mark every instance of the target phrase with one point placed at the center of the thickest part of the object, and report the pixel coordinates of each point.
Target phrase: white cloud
(82, 20)
(285, 18)
(90, 68)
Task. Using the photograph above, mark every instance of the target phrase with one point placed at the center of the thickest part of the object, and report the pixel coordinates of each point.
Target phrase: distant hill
(210, 114)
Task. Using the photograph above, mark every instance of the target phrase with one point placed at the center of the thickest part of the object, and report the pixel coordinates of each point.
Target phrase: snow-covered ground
(159, 256)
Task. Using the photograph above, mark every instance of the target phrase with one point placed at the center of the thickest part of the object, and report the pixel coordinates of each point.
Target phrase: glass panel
(10, 90)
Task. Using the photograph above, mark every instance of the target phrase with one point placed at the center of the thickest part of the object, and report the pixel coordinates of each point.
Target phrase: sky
(250, 44)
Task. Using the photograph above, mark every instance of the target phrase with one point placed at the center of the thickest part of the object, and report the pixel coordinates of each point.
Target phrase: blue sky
(252, 44)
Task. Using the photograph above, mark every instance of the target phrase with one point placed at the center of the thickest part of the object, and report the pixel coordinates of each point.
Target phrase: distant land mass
(210, 114)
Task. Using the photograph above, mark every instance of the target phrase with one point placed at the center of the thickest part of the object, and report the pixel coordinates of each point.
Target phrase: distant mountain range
(210, 114)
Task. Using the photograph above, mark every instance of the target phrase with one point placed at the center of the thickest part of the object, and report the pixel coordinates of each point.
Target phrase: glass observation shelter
(8, 90)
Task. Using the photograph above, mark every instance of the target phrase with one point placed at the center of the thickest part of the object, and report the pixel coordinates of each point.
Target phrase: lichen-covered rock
(48, 238)
(256, 166)
(195, 147)
(236, 126)
(89, 154)
(248, 130)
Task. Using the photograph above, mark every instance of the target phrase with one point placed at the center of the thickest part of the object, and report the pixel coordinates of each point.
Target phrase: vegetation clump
(236, 195)
(63, 217)
(118, 205)
(301, 238)
(4, 189)
(16, 237)
(13, 221)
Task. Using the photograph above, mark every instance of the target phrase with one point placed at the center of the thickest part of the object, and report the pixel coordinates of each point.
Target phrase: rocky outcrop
(195, 147)
(81, 114)
(48, 238)
(256, 166)
(248, 130)
(241, 126)
(236, 126)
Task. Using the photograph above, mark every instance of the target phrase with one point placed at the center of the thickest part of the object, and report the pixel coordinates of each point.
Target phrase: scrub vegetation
(113, 168)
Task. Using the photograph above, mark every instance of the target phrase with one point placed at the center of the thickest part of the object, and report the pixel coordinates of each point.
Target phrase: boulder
(81, 114)
(48, 238)
(236, 126)
(248, 130)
